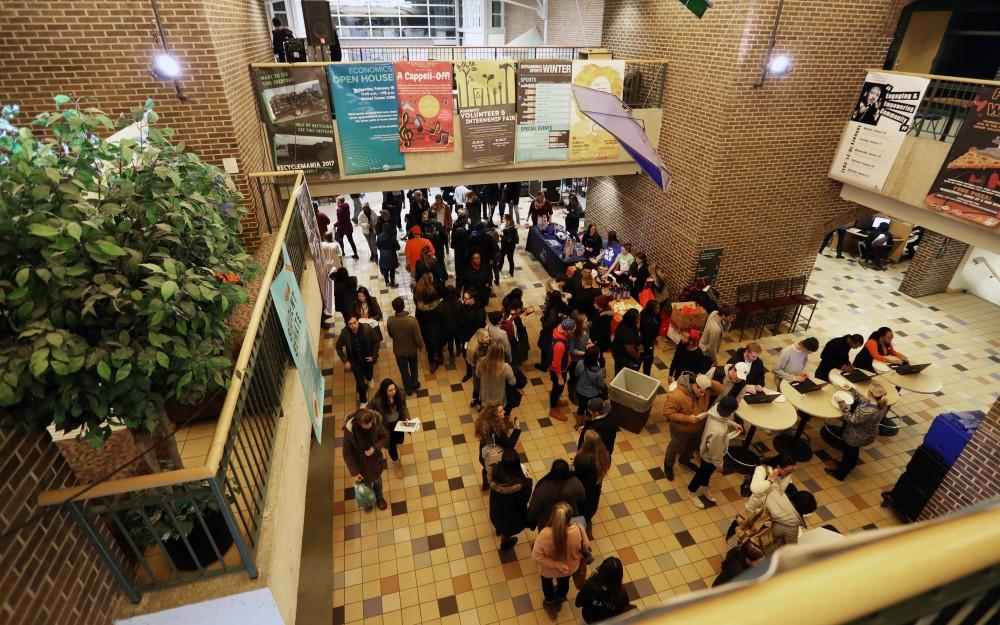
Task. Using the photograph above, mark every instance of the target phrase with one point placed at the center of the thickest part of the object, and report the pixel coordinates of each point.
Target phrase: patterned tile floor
(432, 557)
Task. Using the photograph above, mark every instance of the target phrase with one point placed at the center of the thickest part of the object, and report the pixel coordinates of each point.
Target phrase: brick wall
(49, 573)
(571, 22)
(103, 49)
(749, 165)
(973, 477)
(933, 265)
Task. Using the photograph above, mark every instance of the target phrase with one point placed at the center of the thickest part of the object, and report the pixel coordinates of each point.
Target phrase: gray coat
(861, 420)
(715, 437)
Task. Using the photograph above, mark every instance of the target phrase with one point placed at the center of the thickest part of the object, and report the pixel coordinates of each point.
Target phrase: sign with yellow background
(487, 111)
(587, 140)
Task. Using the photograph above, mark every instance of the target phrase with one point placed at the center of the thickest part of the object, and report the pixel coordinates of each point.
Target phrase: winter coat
(509, 503)
(369, 345)
(478, 280)
(368, 467)
(495, 389)
(451, 312)
(600, 331)
(711, 336)
(548, 493)
(693, 361)
(861, 421)
(543, 552)
(387, 410)
(388, 246)
(756, 375)
(405, 334)
(344, 294)
(343, 226)
(598, 603)
(590, 382)
(683, 410)
(786, 519)
(715, 437)
(606, 427)
(374, 310)
(472, 318)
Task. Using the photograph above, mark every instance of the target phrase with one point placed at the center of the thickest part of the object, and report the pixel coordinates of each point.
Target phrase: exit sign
(698, 7)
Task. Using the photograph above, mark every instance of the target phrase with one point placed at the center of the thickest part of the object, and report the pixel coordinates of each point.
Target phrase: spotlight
(166, 67)
(779, 65)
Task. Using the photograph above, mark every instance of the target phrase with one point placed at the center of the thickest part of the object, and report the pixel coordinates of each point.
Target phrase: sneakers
(381, 503)
(557, 414)
(696, 500)
(707, 494)
(669, 472)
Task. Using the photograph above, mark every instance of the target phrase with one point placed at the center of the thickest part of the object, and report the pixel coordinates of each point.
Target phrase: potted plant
(111, 256)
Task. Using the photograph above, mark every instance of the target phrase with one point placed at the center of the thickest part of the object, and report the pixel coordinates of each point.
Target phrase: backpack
(755, 528)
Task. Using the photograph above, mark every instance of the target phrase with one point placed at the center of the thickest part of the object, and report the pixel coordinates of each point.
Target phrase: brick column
(973, 477)
(933, 266)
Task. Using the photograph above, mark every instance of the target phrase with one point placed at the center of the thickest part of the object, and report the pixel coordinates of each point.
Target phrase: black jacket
(600, 331)
(344, 294)
(598, 603)
(836, 353)
(757, 371)
(548, 493)
(509, 239)
(606, 427)
(641, 274)
(509, 503)
(368, 345)
(649, 329)
(592, 245)
(625, 335)
(694, 361)
(472, 318)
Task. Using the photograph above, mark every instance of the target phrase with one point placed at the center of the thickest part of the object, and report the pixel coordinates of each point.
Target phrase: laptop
(857, 375)
(761, 398)
(807, 386)
(907, 369)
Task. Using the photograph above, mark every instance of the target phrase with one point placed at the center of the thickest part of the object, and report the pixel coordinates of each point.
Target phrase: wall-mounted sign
(968, 185)
(587, 140)
(882, 115)
(487, 111)
(364, 97)
(296, 110)
(708, 264)
(543, 110)
(426, 119)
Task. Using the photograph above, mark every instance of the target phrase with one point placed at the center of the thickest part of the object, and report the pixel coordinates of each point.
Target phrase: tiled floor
(433, 556)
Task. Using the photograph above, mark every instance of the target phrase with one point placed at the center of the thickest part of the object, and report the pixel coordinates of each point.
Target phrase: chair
(796, 289)
(932, 119)
(774, 297)
(746, 308)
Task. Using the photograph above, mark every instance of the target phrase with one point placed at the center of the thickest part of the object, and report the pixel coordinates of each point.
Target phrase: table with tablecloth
(620, 307)
(548, 251)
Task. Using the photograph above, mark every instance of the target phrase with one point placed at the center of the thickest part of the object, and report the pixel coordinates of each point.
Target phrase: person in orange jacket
(414, 247)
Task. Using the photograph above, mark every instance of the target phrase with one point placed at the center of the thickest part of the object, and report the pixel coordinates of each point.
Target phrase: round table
(777, 415)
(818, 403)
(891, 395)
(924, 382)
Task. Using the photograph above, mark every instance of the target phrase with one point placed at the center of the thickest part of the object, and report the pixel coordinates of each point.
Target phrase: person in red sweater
(559, 367)
(879, 347)
(322, 221)
(539, 207)
(415, 247)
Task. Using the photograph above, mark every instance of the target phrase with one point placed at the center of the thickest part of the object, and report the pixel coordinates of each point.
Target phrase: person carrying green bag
(364, 439)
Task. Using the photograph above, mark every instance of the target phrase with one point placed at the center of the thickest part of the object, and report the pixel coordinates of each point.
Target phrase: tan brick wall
(749, 165)
(571, 22)
(933, 266)
(103, 49)
(49, 572)
(973, 477)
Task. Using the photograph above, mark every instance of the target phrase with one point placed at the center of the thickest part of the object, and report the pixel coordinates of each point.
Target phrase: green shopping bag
(364, 495)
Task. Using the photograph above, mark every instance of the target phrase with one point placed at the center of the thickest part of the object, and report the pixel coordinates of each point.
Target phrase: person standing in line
(473, 319)
(494, 376)
(345, 291)
(574, 212)
(836, 354)
(719, 322)
(559, 366)
(878, 347)
(558, 552)
(499, 335)
(512, 197)
(368, 222)
(649, 331)
(861, 420)
(477, 276)
(279, 35)
(434, 232)
(429, 263)
(579, 341)
(685, 410)
(600, 420)
(510, 490)
(552, 314)
(491, 197)
(418, 206)
(476, 349)
(388, 246)
(443, 211)
(390, 403)
(794, 359)
(714, 445)
(428, 299)
(591, 382)
(514, 311)
(540, 207)
(357, 345)
(603, 596)
(322, 221)
(364, 439)
(508, 243)
(344, 228)
(407, 342)
(625, 346)
(474, 208)
(460, 244)
(591, 466)
(415, 245)
(600, 331)
(559, 484)
(688, 358)
(392, 201)
(451, 312)
(496, 432)
(356, 201)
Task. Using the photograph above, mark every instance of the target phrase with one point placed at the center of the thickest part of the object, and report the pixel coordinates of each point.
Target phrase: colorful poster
(291, 311)
(487, 111)
(364, 98)
(543, 110)
(308, 216)
(426, 119)
(881, 118)
(587, 140)
(295, 108)
(968, 185)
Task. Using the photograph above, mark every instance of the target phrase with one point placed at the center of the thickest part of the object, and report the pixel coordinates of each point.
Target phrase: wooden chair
(778, 305)
(797, 288)
(746, 307)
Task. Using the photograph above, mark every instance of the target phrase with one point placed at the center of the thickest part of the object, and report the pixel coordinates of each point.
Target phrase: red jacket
(560, 351)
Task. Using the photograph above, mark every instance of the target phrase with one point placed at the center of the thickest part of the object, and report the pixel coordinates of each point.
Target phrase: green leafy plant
(111, 302)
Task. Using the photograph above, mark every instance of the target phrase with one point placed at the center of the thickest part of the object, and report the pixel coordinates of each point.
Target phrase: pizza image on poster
(968, 185)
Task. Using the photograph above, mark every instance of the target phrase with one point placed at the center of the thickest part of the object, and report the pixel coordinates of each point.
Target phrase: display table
(549, 252)
(817, 404)
(777, 415)
(620, 307)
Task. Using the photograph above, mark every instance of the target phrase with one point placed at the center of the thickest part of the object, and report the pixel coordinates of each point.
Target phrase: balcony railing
(461, 53)
(151, 530)
(942, 110)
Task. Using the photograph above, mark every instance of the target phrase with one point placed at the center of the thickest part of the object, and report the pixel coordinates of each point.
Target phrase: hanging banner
(587, 140)
(882, 116)
(296, 111)
(364, 98)
(291, 311)
(543, 110)
(426, 119)
(487, 111)
(308, 216)
(968, 185)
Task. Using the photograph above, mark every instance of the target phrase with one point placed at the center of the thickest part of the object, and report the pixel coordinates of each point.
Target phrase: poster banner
(968, 185)
(543, 110)
(308, 216)
(291, 311)
(296, 111)
(587, 140)
(882, 116)
(364, 97)
(487, 111)
(426, 119)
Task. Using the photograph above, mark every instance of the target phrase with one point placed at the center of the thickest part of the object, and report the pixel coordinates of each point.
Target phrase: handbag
(512, 397)
(580, 576)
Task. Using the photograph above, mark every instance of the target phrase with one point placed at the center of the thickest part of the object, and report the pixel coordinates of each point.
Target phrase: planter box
(90, 464)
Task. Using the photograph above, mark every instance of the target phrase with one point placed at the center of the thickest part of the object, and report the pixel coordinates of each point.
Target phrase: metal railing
(461, 53)
(942, 110)
(189, 524)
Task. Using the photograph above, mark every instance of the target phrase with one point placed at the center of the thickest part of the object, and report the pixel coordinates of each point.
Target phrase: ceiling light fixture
(165, 65)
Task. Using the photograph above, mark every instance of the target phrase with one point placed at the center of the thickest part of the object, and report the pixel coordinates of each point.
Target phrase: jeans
(356, 200)
(557, 590)
(558, 383)
(683, 444)
(371, 245)
(395, 438)
(362, 374)
(350, 239)
(701, 476)
(390, 276)
(408, 371)
(509, 255)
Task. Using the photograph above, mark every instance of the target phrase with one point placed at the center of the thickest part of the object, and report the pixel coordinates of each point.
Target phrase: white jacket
(715, 437)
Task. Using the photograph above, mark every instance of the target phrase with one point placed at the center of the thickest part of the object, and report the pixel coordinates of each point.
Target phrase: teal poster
(287, 300)
(365, 107)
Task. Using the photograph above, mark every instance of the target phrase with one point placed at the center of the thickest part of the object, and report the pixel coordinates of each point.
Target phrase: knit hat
(694, 335)
(742, 370)
(597, 405)
(602, 301)
(703, 381)
(568, 325)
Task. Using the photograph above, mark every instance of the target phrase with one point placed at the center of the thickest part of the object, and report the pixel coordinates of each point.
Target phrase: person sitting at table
(733, 378)
(638, 274)
(878, 347)
(879, 244)
(540, 207)
(618, 271)
(861, 420)
(600, 329)
(836, 354)
(793, 359)
(737, 560)
(751, 355)
(625, 347)
(593, 245)
(612, 248)
(689, 358)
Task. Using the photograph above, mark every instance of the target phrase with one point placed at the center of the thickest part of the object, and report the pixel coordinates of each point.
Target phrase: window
(279, 9)
(496, 14)
(390, 19)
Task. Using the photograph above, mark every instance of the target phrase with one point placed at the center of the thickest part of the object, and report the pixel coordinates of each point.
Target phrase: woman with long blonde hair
(558, 552)
(496, 432)
(494, 375)
(591, 466)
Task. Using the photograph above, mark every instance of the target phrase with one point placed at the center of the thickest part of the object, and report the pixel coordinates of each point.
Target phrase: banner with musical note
(543, 97)
(426, 119)
(364, 100)
(487, 111)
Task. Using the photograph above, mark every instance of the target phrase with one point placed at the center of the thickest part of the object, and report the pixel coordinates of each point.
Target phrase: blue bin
(950, 432)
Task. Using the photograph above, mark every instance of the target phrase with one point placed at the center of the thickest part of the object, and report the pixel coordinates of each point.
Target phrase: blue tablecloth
(549, 252)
